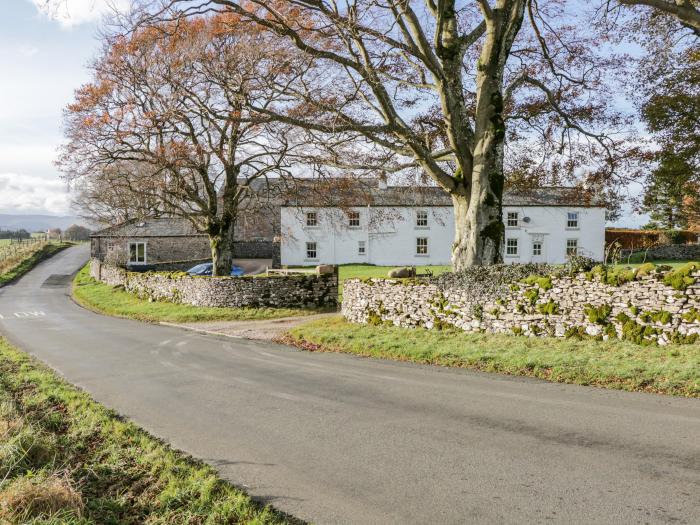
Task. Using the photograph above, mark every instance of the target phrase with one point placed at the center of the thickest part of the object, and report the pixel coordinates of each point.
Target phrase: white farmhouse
(415, 226)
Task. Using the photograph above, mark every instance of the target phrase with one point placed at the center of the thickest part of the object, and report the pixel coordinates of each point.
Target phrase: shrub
(548, 308)
(598, 314)
(544, 282)
(645, 269)
(680, 278)
(659, 316)
(579, 263)
(492, 281)
(532, 295)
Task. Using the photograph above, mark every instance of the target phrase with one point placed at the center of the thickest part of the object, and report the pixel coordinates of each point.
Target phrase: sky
(44, 58)
(43, 61)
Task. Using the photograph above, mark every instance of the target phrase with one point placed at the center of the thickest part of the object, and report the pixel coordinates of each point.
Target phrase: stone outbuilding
(169, 243)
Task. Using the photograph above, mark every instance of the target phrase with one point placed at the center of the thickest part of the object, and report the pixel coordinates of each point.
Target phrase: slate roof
(151, 227)
(434, 196)
(300, 194)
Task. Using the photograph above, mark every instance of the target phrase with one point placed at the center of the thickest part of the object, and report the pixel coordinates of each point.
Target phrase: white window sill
(422, 255)
(512, 227)
(421, 227)
(571, 228)
(354, 227)
(511, 256)
(311, 227)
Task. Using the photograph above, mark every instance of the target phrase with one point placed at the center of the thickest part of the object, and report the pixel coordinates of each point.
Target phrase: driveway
(336, 439)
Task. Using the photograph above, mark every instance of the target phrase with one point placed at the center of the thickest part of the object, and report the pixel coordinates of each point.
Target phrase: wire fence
(14, 251)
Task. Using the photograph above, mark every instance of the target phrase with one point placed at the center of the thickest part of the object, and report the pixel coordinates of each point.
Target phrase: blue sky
(43, 59)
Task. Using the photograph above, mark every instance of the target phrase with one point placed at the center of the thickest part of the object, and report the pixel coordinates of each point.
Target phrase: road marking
(26, 315)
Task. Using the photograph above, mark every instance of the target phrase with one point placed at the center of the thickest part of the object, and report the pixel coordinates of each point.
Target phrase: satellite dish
(526, 219)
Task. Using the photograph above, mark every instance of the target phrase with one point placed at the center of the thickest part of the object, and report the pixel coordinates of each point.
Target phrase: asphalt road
(336, 439)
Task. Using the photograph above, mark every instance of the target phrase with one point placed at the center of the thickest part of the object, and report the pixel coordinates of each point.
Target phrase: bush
(680, 278)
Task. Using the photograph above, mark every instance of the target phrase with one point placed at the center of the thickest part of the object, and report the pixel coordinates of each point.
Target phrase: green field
(108, 300)
(65, 459)
(673, 369)
(363, 271)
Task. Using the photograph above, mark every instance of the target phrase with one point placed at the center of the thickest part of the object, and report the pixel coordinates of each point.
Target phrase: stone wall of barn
(649, 305)
(306, 290)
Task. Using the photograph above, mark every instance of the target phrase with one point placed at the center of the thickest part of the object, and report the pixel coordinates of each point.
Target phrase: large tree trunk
(479, 228)
(478, 199)
(221, 241)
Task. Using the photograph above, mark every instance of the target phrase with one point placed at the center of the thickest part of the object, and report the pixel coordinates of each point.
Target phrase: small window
(512, 219)
(311, 251)
(361, 248)
(571, 246)
(137, 252)
(422, 219)
(354, 219)
(422, 246)
(537, 248)
(572, 219)
(311, 218)
(512, 247)
(110, 246)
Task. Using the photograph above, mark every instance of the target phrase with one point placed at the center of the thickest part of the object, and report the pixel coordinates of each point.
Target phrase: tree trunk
(221, 242)
(479, 228)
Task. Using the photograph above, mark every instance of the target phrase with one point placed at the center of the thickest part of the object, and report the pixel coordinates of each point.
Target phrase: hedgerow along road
(332, 438)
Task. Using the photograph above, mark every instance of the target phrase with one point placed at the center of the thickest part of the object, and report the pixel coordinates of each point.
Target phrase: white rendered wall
(390, 235)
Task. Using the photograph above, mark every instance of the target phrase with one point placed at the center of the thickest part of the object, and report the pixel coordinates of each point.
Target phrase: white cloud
(71, 13)
(27, 51)
(33, 194)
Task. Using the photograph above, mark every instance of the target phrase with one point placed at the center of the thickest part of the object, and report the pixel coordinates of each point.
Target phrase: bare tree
(166, 122)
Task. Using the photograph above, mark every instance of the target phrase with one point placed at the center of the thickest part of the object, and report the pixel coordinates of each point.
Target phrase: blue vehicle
(206, 269)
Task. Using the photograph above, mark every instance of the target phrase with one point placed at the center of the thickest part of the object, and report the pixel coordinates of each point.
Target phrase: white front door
(538, 248)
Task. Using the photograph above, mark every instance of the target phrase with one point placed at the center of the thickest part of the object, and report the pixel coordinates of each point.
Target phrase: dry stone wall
(652, 305)
(274, 291)
(676, 252)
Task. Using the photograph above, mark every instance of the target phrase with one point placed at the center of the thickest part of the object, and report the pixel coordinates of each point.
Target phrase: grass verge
(31, 261)
(66, 459)
(108, 300)
(619, 365)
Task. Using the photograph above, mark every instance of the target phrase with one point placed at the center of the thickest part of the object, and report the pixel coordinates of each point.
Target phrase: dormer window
(512, 220)
(354, 219)
(422, 219)
(311, 218)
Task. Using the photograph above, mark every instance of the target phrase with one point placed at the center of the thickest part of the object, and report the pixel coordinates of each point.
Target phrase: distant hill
(34, 223)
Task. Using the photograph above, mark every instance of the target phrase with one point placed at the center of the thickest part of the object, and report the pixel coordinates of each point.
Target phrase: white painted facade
(414, 236)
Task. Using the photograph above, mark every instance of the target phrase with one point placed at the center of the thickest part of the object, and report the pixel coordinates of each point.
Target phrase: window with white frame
(137, 252)
(311, 250)
(512, 219)
(354, 219)
(512, 247)
(311, 218)
(422, 219)
(572, 219)
(361, 247)
(422, 246)
(571, 246)
(537, 248)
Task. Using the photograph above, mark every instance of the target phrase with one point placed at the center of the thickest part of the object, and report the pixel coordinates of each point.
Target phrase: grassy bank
(65, 459)
(22, 266)
(108, 300)
(611, 364)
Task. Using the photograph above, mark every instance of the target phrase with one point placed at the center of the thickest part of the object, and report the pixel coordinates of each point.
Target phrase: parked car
(206, 269)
